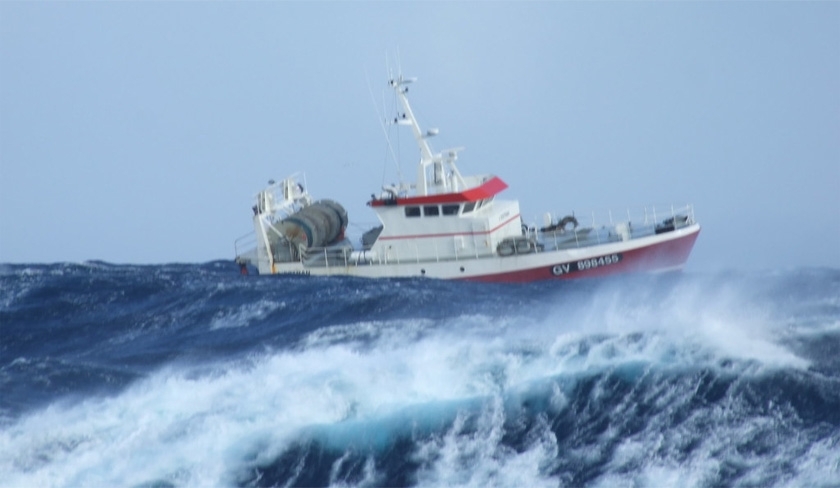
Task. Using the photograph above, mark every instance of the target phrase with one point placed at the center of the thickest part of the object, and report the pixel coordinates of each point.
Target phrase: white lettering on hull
(586, 264)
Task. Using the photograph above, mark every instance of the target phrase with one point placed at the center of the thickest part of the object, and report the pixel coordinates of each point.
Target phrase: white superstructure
(453, 227)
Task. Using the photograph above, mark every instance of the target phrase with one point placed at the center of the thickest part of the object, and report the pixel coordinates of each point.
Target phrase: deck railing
(245, 245)
(594, 227)
(602, 226)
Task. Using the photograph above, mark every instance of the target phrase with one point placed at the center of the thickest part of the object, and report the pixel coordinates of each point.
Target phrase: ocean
(192, 375)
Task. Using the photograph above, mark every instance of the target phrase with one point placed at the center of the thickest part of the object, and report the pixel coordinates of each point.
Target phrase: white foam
(21, 284)
(244, 314)
(476, 456)
(718, 321)
(197, 425)
(819, 465)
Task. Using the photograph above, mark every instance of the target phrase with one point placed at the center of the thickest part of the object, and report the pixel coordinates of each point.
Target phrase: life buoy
(506, 248)
(561, 225)
(565, 221)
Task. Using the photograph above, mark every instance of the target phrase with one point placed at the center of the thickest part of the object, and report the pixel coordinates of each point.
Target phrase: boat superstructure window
(431, 210)
(484, 203)
(451, 209)
(412, 211)
(469, 206)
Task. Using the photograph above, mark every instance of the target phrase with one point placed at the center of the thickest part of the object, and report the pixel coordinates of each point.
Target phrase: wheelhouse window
(484, 203)
(451, 209)
(412, 211)
(469, 206)
(431, 210)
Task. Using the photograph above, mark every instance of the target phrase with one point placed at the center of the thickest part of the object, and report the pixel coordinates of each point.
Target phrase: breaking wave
(190, 375)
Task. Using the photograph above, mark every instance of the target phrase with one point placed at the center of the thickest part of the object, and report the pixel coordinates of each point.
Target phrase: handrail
(601, 227)
(245, 244)
(648, 214)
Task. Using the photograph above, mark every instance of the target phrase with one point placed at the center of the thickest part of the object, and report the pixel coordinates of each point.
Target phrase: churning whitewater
(191, 375)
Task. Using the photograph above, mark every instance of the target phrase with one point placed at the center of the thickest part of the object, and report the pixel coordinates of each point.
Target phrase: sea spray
(189, 375)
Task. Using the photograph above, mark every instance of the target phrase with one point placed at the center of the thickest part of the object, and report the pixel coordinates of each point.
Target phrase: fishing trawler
(450, 226)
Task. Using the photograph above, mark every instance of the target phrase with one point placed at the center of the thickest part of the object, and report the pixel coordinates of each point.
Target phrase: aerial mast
(427, 157)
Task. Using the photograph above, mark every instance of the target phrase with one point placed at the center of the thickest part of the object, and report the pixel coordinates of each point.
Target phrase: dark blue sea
(192, 375)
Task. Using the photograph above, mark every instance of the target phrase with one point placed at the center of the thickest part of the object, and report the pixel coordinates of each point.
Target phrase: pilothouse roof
(438, 177)
(488, 189)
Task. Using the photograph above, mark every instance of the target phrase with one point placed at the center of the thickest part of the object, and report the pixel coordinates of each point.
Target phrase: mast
(440, 181)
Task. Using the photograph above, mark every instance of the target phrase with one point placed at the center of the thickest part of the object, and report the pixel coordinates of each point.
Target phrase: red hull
(662, 256)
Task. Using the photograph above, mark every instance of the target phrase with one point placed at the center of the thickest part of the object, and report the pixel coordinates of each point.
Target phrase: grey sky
(139, 131)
